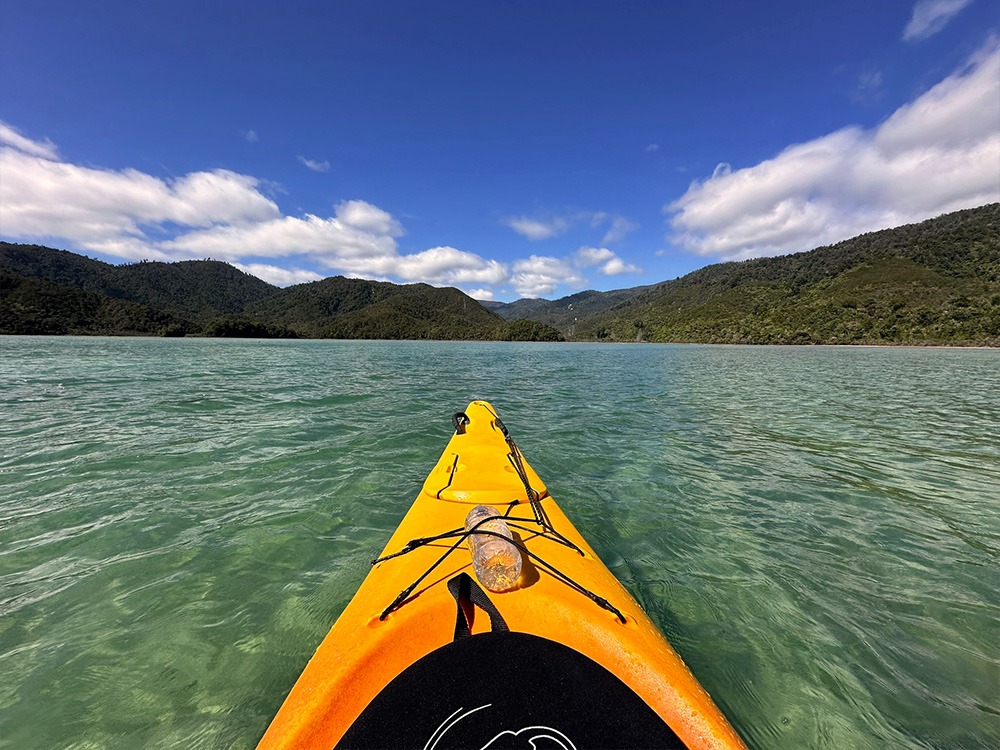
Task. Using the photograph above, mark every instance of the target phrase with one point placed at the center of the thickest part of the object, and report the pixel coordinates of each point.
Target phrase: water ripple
(816, 530)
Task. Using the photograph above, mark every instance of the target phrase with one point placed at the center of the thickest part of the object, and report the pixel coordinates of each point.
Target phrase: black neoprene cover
(504, 690)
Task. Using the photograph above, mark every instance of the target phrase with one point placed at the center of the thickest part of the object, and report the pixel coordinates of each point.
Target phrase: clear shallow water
(817, 531)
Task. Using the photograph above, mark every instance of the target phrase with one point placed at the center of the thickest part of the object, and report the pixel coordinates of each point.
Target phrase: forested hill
(936, 282)
(339, 307)
(46, 291)
(565, 311)
(199, 290)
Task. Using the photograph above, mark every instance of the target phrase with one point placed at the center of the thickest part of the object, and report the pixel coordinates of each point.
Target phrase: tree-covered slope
(35, 306)
(58, 292)
(419, 311)
(564, 312)
(937, 282)
(310, 308)
(200, 290)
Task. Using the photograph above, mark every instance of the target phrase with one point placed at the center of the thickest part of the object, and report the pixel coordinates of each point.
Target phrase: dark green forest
(937, 282)
(564, 312)
(46, 291)
(35, 306)
(932, 283)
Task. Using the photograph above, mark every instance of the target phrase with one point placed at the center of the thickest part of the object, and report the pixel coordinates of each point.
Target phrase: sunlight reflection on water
(816, 530)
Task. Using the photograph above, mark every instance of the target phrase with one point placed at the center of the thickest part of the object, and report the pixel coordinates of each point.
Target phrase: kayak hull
(367, 648)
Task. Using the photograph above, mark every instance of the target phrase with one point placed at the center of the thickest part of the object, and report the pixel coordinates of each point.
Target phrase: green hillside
(312, 307)
(35, 306)
(937, 282)
(338, 307)
(199, 290)
(563, 313)
(419, 312)
(46, 291)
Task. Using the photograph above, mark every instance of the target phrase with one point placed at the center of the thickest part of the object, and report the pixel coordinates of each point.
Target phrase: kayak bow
(566, 659)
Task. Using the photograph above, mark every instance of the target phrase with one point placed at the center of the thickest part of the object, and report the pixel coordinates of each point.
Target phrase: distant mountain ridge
(936, 282)
(50, 291)
(565, 312)
(200, 290)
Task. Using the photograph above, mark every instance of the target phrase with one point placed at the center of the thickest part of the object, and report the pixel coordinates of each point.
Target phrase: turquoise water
(816, 530)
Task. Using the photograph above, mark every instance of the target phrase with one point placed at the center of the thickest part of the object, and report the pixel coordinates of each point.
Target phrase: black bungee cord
(540, 519)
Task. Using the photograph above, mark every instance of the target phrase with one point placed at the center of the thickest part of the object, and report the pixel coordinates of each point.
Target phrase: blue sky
(507, 148)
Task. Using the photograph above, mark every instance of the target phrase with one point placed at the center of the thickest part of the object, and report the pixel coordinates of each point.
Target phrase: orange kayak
(426, 655)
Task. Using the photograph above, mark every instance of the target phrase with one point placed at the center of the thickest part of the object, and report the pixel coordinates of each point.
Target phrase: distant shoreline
(885, 345)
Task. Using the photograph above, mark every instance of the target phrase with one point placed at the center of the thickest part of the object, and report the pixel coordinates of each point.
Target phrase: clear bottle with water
(495, 559)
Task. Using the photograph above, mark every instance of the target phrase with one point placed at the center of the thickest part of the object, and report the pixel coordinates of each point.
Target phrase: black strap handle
(464, 589)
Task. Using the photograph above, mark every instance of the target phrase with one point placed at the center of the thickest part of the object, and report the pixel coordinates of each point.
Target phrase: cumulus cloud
(227, 216)
(218, 214)
(539, 276)
(276, 275)
(368, 218)
(252, 136)
(333, 241)
(315, 166)
(483, 295)
(451, 267)
(606, 261)
(41, 197)
(591, 256)
(930, 16)
(617, 267)
(652, 148)
(937, 154)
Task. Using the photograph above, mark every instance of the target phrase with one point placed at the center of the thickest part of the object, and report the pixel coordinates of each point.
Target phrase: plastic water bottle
(496, 560)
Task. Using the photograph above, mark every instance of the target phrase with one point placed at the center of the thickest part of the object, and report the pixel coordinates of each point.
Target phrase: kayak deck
(391, 624)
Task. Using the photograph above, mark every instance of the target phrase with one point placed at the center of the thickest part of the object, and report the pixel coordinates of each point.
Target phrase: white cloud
(252, 136)
(617, 267)
(278, 276)
(937, 154)
(606, 261)
(448, 266)
(721, 170)
(224, 215)
(368, 218)
(315, 166)
(332, 241)
(538, 276)
(930, 16)
(546, 228)
(10, 137)
(537, 229)
(483, 295)
(652, 148)
(591, 256)
(41, 197)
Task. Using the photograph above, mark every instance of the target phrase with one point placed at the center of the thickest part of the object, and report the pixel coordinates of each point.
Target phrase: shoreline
(886, 345)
